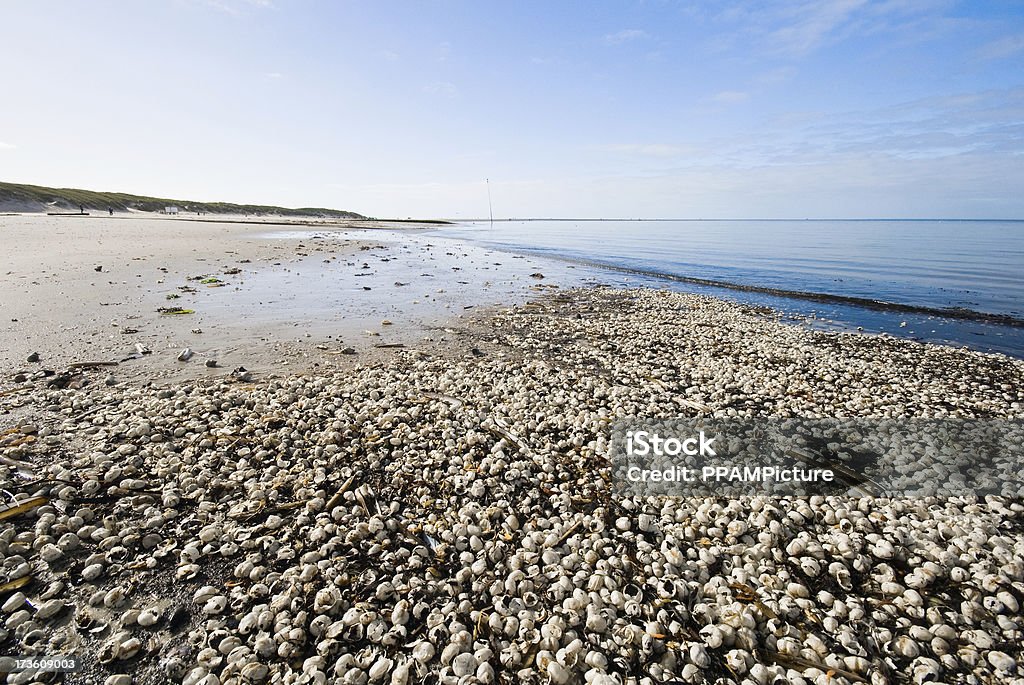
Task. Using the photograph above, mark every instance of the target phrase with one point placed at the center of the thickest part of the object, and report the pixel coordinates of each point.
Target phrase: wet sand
(285, 299)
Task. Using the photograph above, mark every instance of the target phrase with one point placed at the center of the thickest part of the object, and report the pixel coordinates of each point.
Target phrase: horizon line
(754, 218)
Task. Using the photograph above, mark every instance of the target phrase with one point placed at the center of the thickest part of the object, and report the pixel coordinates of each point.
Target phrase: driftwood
(786, 660)
(22, 508)
(336, 498)
(15, 584)
(565, 536)
(90, 365)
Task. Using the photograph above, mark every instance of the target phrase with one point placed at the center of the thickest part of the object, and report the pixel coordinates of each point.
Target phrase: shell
(441, 519)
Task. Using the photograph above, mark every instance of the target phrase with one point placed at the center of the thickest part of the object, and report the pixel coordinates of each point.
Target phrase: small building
(171, 209)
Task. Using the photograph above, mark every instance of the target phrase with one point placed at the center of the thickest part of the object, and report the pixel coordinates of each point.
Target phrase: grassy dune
(20, 197)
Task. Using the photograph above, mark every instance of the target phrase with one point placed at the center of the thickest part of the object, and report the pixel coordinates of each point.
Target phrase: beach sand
(439, 516)
(289, 297)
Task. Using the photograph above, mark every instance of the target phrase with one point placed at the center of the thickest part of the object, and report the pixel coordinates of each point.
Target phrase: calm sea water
(969, 265)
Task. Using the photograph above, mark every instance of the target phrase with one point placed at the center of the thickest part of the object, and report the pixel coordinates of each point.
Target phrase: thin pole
(490, 209)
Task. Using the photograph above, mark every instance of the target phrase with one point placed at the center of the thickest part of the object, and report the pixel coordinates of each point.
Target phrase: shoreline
(853, 293)
(256, 296)
(271, 220)
(433, 497)
(271, 299)
(961, 313)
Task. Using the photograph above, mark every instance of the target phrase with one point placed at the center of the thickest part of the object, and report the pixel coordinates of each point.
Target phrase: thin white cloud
(663, 150)
(274, 75)
(730, 97)
(1002, 48)
(849, 184)
(6, 146)
(810, 24)
(550, 61)
(389, 55)
(238, 7)
(774, 77)
(623, 36)
(978, 124)
(445, 88)
(795, 28)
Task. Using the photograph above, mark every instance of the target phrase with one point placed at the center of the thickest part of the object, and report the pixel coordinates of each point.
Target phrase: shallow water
(413, 279)
(973, 266)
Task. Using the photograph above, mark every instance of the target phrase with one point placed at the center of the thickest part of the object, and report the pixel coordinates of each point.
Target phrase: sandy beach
(445, 512)
(267, 295)
(523, 343)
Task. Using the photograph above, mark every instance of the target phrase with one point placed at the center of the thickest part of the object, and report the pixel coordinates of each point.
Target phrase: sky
(782, 108)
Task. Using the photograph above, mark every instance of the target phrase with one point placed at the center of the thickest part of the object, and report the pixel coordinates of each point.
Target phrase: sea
(954, 282)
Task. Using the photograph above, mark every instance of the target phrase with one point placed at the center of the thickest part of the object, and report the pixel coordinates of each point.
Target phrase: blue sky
(832, 108)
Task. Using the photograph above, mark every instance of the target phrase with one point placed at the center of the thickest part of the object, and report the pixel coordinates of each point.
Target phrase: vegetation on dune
(58, 199)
